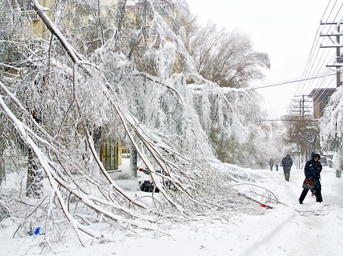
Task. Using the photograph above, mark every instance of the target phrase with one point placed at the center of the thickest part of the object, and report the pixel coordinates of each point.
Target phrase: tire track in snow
(267, 237)
(307, 224)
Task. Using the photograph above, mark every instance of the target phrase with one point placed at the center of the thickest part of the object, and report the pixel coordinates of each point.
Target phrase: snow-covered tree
(331, 130)
(302, 133)
(131, 78)
(226, 58)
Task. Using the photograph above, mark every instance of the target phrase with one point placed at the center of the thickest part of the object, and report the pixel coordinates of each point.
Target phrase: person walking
(287, 163)
(276, 165)
(312, 170)
(271, 163)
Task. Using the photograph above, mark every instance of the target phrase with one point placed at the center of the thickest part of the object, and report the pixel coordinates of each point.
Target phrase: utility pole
(338, 66)
(302, 108)
(338, 57)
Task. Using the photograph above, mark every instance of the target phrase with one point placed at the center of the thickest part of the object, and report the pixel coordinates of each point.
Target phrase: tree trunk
(34, 186)
(2, 170)
(133, 162)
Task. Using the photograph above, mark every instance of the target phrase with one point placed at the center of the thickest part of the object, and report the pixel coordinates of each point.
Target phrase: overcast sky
(284, 29)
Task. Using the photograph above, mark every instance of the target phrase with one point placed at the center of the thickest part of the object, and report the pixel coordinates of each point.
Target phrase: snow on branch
(170, 124)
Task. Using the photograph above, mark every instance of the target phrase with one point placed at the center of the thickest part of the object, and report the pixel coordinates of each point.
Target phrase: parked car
(147, 185)
(324, 161)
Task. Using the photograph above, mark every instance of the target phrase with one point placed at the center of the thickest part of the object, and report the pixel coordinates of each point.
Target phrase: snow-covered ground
(287, 229)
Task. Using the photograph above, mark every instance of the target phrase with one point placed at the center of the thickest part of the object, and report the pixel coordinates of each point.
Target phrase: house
(109, 149)
(320, 97)
(39, 28)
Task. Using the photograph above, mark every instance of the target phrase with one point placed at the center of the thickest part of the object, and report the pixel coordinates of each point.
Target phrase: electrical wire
(308, 68)
(318, 59)
(291, 81)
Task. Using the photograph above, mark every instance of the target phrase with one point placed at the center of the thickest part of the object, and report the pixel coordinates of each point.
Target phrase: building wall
(38, 26)
(321, 98)
(110, 150)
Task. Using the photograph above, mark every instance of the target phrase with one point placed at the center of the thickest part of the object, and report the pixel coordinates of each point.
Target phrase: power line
(304, 87)
(315, 63)
(287, 120)
(292, 81)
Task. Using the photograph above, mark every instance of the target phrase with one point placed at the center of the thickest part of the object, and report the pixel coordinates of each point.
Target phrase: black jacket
(312, 170)
(287, 163)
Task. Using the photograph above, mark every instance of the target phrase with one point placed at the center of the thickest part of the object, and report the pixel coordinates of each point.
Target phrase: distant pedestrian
(271, 163)
(312, 171)
(276, 165)
(287, 163)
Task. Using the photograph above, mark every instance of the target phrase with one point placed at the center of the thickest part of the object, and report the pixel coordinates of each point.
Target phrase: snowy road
(288, 229)
(311, 228)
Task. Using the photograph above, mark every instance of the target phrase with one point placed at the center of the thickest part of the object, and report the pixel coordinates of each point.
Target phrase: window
(27, 9)
(25, 5)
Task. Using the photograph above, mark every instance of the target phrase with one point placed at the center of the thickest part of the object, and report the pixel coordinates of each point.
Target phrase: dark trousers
(316, 192)
(287, 174)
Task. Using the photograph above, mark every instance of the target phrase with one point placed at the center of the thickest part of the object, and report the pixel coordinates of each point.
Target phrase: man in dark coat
(287, 163)
(312, 172)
